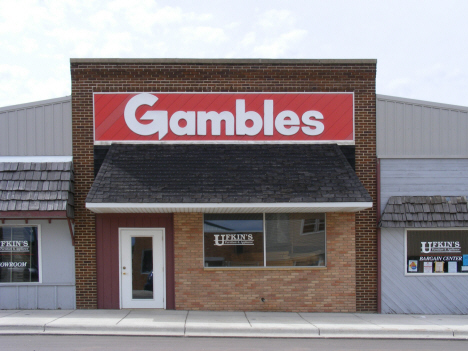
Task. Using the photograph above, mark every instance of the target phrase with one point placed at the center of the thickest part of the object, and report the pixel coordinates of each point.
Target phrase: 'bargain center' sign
(224, 117)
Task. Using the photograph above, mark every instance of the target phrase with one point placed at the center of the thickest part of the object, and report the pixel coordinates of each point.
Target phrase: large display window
(436, 252)
(265, 240)
(19, 254)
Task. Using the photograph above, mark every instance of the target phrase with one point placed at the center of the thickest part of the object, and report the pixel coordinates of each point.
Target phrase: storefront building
(233, 185)
(225, 184)
(36, 206)
(422, 171)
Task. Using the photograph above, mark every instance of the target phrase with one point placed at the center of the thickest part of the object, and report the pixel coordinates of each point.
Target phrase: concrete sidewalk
(233, 324)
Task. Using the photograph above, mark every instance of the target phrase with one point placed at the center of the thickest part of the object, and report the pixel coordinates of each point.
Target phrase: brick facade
(330, 289)
(356, 76)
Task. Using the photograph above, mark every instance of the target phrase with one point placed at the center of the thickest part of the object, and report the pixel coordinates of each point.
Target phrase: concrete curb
(232, 324)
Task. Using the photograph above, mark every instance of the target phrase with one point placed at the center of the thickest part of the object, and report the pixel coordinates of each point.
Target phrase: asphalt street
(130, 343)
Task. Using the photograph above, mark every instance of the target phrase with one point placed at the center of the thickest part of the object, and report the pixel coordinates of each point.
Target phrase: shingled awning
(36, 190)
(227, 178)
(425, 212)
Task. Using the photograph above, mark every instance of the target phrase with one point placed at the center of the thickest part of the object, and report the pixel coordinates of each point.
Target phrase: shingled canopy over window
(226, 178)
(36, 190)
(425, 212)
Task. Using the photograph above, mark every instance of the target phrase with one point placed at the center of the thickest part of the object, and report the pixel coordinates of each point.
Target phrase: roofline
(222, 61)
(422, 102)
(36, 103)
(4, 215)
(35, 159)
(287, 207)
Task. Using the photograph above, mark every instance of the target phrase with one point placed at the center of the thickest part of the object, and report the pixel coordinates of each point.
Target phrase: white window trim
(39, 254)
(437, 275)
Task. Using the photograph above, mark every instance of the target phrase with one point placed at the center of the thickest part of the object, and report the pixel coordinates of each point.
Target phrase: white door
(142, 268)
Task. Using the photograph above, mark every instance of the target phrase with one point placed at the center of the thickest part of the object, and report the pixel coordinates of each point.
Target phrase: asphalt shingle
(229, 173)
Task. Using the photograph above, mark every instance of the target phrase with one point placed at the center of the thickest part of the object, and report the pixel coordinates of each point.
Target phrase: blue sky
(420, 46)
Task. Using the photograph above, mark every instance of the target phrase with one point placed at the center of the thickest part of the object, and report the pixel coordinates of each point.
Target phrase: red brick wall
(330, 289)
(102, 75)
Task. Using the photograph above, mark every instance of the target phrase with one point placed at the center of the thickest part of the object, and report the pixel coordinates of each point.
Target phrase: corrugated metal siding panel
(423, 177)
(417, 294)
(31, 297)
(37, 129)
(420, 129)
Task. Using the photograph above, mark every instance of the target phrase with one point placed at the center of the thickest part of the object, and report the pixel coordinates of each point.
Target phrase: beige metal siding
(419, 129)
(41, 128)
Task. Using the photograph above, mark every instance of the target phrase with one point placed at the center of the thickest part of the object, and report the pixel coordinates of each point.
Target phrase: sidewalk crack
(56, 319)
(185, 324)
(11, 314)
(121, 319)
(300, 315)
(245, 314)
(364, 320)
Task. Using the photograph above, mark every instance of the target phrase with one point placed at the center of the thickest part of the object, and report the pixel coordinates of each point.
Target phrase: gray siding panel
(42, 128)
(420, 129)
(417, 294)
(423, 177)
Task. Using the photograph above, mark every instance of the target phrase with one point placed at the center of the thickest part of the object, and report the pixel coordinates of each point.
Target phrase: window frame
(39, 254)
(265, 267)
(405, 263)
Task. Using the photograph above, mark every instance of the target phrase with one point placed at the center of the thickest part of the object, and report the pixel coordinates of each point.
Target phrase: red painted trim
(33, 214)
(107, 254)
(379, 266)
(71, 231)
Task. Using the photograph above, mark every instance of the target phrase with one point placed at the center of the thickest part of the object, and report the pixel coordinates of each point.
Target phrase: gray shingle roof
(41, 186)
(226, 173)
(425, 212)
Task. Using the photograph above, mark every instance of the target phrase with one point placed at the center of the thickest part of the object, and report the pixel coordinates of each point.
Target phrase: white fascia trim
(37, 159)
(96, 207)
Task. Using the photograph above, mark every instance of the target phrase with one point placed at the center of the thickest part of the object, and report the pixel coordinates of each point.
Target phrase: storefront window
(437, 251)
(295, 239)
(19, 254)
(233, 240)
(257, 240)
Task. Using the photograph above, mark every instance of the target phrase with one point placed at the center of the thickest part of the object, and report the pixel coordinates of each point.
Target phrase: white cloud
(12, 78)
(249, 39)
(274, 18)
(116, 45)
(102, 20)
(398, 83)
(12, 72)
(48, 88)
(74, 41)
(29, 45)
(203, 34)
(277, 47)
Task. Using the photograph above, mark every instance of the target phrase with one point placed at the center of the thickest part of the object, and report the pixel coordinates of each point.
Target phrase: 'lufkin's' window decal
(224, 117)
(437, 251)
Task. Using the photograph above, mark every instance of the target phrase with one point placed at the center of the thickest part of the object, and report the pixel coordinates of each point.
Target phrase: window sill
(435, 274)
(264, 268)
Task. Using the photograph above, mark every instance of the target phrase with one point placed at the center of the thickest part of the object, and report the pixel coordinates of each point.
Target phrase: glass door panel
(142, 267)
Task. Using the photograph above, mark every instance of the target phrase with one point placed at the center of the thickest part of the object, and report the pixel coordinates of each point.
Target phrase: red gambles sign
(224, 117)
